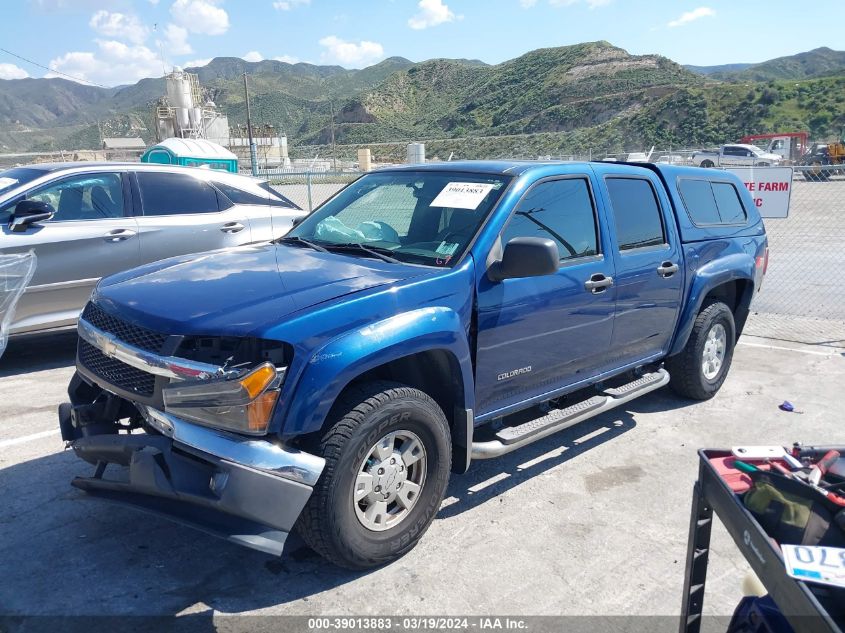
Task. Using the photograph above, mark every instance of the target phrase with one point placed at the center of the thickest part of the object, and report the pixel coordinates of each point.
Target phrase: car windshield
(757, 150)
(11, 178)
(421, 217)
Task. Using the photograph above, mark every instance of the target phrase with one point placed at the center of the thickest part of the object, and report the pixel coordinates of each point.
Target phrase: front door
(539, 334)
(89, 237)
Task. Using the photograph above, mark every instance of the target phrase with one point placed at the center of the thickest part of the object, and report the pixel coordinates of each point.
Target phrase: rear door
(649, 270)
(178, 213)
(270, 214)
(90, 236)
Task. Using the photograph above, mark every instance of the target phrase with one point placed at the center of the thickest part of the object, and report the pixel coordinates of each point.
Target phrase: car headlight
(243, 404)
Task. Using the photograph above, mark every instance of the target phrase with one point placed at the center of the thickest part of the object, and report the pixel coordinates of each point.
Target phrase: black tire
(360, 418)
(685, 369)
(708, 164)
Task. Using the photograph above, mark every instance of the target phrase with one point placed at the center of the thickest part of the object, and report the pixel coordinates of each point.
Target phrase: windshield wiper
(375, 251)
(295, 239)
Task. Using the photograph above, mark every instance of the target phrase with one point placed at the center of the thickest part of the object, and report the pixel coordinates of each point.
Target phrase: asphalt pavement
(591, 521)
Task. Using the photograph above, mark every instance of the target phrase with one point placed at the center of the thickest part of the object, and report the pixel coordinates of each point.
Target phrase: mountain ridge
(584, 90)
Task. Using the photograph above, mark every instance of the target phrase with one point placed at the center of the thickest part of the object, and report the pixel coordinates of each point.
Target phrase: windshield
(757, 150)
(11, 178)
(421, 217)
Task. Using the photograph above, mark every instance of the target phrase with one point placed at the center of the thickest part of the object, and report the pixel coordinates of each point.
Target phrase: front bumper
(246, 490)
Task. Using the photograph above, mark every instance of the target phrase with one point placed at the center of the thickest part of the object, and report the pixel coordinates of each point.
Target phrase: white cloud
(351, 54)
(200, 16)
(287, 5)
(253, 56)
(197, 63)
(10, 71)
(114, 63)
(288, 59)
(121, 26)
(692, 16)
(175, 41)
(527, 4)
(431, 13)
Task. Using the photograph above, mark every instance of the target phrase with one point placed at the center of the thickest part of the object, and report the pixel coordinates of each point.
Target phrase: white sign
(825, 565)
(462, 195)
(771, 188)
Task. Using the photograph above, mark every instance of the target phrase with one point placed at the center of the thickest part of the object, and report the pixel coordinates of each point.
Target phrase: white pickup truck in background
(736, 156)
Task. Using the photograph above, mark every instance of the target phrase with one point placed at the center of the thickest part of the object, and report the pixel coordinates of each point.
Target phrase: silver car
(88, 220)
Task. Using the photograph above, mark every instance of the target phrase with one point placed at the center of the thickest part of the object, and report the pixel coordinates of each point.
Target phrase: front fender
(727, 268)
(341, 360)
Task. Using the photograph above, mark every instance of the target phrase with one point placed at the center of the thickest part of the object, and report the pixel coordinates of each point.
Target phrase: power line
(53, 70)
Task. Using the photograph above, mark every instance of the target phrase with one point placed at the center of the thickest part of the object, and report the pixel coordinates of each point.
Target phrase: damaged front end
(188, 435)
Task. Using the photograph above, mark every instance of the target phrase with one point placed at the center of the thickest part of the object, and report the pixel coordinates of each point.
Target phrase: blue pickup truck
(422, 318)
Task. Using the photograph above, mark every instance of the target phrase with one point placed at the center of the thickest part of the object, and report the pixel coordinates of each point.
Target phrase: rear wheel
(699, 371)
(388, 458)
(707, 164)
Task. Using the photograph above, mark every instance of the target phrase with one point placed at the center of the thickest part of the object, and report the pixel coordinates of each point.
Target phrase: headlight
(244, 404)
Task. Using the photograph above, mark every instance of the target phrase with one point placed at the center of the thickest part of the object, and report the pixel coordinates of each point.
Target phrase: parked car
(735, 156)
(423, 318)
(85, 221)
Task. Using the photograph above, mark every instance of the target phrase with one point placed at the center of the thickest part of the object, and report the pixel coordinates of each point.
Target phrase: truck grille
(126, 332)
(116, 372)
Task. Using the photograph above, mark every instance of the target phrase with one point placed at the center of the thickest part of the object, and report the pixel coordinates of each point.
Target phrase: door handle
(667, 269)
(598, 283)
(119, 235)
(232, 227)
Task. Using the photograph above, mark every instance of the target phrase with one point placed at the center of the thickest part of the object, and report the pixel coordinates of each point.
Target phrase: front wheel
(708, 164)
(700, 369)
(388, 458)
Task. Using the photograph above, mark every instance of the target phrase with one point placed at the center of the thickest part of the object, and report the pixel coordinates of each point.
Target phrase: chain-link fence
(803, 296)
(308, 190)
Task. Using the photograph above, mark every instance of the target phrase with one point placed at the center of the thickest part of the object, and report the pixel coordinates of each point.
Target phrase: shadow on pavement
(63, 554)
(38, 353)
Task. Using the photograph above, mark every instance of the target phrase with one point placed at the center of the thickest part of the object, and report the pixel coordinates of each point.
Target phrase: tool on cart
(767, 502)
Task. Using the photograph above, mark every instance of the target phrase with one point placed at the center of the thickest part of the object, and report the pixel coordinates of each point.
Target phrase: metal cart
(711, 494)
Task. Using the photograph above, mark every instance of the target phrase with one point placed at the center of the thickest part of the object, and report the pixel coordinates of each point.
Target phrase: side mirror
(29, 212)
(526, 257)
(298, 220)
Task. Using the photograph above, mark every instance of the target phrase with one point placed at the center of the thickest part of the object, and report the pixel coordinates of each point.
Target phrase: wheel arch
(730, 281)
(426, 349)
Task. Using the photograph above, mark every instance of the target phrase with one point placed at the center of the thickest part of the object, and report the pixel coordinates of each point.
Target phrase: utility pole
(334, 154)
(253, 154)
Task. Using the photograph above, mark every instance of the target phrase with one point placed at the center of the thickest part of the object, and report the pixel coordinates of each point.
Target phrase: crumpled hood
(238, 291)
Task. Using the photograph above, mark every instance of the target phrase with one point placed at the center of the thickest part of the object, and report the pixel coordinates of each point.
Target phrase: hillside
(556, 89)
(568, 99)
(820, 62)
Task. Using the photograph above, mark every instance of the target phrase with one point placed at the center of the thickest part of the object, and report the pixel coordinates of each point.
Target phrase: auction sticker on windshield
(462, 195)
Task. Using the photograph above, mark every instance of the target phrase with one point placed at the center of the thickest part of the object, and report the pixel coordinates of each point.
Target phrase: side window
(87, 197)
(277, 199)
(729, 203)
(239, 196)
(637, 213)
(175, 194)
(711, 202)
(699, 201)
(560, 210)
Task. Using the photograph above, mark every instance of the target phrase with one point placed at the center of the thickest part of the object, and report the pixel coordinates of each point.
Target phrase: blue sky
(112, 42)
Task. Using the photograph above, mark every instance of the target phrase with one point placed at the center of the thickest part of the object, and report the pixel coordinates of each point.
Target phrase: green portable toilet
(190, 152)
